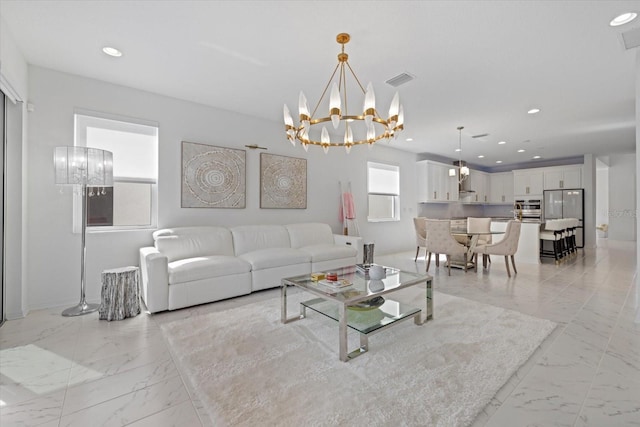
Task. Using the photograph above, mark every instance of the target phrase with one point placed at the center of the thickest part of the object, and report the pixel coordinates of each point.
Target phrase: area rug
(249, 369)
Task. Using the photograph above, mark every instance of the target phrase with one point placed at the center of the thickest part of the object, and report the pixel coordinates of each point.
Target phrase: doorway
(602, 199)
(3, 148)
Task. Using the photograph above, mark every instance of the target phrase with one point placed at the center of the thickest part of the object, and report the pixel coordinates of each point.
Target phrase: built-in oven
(528, 210)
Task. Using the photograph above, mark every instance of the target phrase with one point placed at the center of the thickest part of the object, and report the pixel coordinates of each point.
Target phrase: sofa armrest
(353, 241)
(154, 269)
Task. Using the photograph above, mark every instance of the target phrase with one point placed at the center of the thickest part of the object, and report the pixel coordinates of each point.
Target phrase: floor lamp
(82, 167)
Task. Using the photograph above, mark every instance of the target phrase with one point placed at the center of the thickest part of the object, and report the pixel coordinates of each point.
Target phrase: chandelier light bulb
(304, 112)
(325, 147)
(324, 137)
(369, 109)
(334, 105)
(348, 136)
(305, 146)
(400, 124)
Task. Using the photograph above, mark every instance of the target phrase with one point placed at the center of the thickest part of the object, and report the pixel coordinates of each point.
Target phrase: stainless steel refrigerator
(566, 204)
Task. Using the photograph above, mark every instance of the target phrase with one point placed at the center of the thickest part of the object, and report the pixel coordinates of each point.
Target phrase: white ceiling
(478, 64)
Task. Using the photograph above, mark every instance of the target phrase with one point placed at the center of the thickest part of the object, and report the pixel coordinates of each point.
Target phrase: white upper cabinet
(527, 182)
(480, 184)
(434, 182)
(563, 177)
(501, 187)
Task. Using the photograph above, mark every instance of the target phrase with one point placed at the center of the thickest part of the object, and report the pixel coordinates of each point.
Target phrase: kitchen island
(529, 243)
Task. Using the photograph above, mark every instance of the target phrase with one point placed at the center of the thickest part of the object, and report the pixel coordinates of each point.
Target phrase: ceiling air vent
(400, 79)
(631, 39)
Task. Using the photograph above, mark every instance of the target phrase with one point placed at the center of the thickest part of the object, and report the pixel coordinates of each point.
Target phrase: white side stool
(120, 293)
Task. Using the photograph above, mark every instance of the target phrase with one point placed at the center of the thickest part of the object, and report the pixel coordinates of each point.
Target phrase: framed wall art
(283, 182)
(213, 177)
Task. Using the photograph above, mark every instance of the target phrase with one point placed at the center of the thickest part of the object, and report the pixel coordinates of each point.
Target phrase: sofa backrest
(308, 234)
(249, 238)
(189, 242)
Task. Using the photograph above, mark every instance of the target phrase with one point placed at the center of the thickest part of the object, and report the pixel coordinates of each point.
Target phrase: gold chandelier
(375, 128)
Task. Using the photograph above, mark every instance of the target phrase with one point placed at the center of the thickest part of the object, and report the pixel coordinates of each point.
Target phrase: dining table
(470, 240)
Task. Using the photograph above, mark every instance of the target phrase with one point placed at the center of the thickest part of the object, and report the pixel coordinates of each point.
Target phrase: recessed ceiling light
(521, 151)
(409, 139)
(457, 149)
(498, 161)
(536, 157)
(533, 111)
(112, 51)
(481, 156)
(625, 18)
(502, 142)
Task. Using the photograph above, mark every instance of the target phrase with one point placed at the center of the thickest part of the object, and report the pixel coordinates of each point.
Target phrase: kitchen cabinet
(527, 182)
(434, 182)
(501, 188)
(563, 177)
(480, 184)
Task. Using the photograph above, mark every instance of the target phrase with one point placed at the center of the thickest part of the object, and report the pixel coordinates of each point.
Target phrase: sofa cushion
(190, 269)
(249, 238)
(321, 253)
(189, 242)
(275, 257)
(308, 234)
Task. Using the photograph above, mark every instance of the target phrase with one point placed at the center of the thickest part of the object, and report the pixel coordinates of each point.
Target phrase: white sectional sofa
(196, 265)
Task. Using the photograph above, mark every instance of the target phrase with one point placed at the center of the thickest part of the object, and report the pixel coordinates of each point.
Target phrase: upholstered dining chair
(440, 241)
(480, 225)
(506, 247)
(420, 225)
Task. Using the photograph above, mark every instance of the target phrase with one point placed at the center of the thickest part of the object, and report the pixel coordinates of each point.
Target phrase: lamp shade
(83, 166)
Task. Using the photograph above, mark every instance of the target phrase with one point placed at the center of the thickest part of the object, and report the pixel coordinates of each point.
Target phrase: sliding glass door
(3, 144)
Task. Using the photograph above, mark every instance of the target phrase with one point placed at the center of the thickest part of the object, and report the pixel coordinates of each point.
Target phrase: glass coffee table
(363, 305)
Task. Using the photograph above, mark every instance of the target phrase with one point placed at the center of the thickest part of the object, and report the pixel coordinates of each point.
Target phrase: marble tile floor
(57, 371)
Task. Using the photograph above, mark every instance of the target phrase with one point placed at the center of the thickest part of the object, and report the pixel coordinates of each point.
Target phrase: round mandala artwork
(213, 177)
(283, 182)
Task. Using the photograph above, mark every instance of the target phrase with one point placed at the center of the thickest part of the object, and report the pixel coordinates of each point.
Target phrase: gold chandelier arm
(325, 90)
(356, 77)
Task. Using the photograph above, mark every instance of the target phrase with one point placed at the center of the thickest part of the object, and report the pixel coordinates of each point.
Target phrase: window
(383, 187)
(131, 203)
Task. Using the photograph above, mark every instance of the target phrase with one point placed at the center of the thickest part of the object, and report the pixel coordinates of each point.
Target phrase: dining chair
(440, 241)
(420, 226)
(506, 247)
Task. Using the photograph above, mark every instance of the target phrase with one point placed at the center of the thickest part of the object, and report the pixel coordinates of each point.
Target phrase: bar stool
(553, 231)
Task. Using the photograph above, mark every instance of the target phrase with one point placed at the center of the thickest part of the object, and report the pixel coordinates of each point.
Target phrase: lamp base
(81, 309)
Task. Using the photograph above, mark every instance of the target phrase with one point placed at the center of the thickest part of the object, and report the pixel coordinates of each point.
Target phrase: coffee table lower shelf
(364, 321)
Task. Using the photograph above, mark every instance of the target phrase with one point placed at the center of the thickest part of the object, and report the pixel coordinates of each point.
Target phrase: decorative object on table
(340, 283)
(367, 258)
(363, 127)
(377, 272)
(332, 276)
(376, 285)
(283, 182)
(213, 177)
(369, 304)
(120, 293)
(83, 167)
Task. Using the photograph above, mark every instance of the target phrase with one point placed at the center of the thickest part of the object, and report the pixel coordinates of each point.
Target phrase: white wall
(14, 81)
(602, 195)
(622, 197)
(54, 252)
